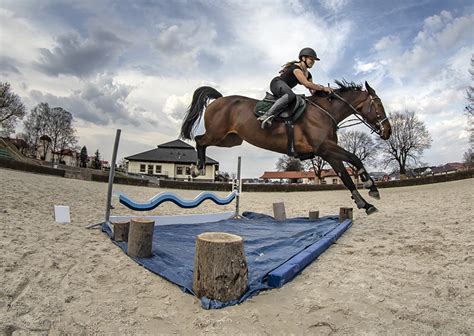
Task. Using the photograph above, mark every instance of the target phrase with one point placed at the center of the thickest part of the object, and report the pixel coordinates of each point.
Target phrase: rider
(294, 72)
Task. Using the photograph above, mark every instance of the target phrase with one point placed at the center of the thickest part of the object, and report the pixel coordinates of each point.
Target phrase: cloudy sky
(134, 65)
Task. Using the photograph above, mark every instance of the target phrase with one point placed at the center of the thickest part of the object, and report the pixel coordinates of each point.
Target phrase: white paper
(61, 214)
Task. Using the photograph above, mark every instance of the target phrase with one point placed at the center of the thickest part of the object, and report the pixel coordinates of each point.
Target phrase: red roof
(455, 165)
(331, 172)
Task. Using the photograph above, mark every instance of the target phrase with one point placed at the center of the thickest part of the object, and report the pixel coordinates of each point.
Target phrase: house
(290, 176)
(67, 157)
(379, 176)
(328, 176)
(170, 160)
(448, 168)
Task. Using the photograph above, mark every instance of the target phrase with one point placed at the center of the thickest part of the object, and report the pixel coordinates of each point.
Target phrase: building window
(150, 169)
(158, 169)
(188, 170)
(334, 181)
(142, 168)
(179, 170)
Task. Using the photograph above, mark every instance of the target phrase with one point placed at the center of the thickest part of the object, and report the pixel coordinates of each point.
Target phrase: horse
(230, 120)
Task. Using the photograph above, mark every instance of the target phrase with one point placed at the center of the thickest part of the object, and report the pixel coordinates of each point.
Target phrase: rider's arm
(308, 84)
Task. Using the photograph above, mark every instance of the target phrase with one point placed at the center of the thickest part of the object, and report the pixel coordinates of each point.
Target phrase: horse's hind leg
(200, 167)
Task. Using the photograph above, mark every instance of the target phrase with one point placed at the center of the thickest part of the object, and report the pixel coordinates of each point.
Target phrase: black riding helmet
(308, 52)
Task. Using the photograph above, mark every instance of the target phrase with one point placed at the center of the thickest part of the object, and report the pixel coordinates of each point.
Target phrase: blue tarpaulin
(276, 251)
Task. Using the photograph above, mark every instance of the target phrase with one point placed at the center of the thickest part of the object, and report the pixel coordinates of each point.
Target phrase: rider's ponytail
(287, 65)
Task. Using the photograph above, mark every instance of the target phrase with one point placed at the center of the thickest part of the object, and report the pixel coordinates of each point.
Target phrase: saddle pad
(263, 106)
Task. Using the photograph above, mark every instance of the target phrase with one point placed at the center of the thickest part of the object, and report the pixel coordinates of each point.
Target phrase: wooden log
(121, 231)
(279, 212)
(140, 237)
(313, 215)
(345, 213)
(220, 267)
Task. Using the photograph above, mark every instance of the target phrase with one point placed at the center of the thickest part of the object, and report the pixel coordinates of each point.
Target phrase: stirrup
(268, 121)
(262, 117)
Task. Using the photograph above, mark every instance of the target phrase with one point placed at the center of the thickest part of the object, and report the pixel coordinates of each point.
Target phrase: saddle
(292, 111)
(289, 116)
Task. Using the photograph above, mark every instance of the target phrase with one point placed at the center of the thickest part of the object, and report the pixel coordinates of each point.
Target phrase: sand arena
(407, 269)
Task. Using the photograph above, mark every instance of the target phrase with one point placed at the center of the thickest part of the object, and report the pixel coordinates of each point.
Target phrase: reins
(361, 120)
(324, 110)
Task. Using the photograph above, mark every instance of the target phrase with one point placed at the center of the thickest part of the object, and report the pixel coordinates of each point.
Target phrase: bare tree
(288, 163)
(35, 125)
(316, 164)
(61, 131)
(11, 110)
(359, 144)
(408, 141)
(56, 123)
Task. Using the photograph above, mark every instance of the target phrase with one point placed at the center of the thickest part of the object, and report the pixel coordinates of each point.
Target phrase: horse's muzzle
(385, 130)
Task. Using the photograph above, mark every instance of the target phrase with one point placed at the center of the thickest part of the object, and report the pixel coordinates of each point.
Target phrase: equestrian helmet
(308, 52)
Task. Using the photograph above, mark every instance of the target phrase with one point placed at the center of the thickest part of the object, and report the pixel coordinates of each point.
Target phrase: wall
(32, 168)
(169, 170)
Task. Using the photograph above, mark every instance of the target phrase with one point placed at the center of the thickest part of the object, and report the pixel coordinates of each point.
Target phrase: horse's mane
(347, 86)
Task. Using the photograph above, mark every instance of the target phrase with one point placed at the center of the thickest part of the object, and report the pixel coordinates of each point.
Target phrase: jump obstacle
(163, 197)
(276, 249)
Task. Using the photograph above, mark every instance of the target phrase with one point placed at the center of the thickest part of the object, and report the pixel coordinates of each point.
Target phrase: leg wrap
(358, 199)
(368, 182)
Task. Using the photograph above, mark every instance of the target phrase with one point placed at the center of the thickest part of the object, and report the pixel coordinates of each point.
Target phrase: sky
(134, 65)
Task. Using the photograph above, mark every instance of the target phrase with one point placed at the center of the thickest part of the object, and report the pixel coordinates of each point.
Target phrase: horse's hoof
(371, 210)
(375, 194)
(368, 184)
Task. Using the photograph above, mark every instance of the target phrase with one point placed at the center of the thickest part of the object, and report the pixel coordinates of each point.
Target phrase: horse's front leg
(369, 182)
(340, 153)
(341, 171)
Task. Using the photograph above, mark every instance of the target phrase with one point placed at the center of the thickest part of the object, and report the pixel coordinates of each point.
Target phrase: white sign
(61, 214)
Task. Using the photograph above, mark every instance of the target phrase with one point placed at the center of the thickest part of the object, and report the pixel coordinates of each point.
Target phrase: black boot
(266, 119)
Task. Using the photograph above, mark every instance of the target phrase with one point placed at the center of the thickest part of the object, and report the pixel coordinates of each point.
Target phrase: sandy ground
(407, 269)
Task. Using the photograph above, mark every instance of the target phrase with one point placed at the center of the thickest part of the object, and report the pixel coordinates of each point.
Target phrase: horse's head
(374, 113)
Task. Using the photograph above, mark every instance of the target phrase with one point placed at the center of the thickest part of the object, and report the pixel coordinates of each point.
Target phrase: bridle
(363, 120)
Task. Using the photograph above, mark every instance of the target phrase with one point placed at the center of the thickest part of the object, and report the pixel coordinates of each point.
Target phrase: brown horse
(230, 120)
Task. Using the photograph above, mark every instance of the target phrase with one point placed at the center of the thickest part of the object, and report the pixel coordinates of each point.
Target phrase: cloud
(176, 106)
(334, 5)
(8, 66)
(101, 101)
(73, 55)
(179, 44)
(19, 38)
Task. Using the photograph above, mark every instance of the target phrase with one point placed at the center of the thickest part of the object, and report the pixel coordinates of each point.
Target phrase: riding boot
(266, 118)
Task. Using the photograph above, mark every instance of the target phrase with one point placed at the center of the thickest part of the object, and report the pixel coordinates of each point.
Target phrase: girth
(288, 116)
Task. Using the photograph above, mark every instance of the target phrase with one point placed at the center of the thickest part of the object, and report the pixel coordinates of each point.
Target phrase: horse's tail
(201, 98)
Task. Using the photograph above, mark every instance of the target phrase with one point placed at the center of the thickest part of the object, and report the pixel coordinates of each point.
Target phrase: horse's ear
(369, 89)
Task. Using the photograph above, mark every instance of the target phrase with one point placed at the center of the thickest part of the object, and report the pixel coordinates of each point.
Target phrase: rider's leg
(279, 89)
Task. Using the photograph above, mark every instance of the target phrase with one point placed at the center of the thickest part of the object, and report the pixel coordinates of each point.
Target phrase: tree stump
(279, 212)
(313, 215)
(121, 231)
(140, 237)
(345, 213)
(220, 267)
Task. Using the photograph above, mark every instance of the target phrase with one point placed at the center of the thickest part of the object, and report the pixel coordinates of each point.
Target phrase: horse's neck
(341, 110)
